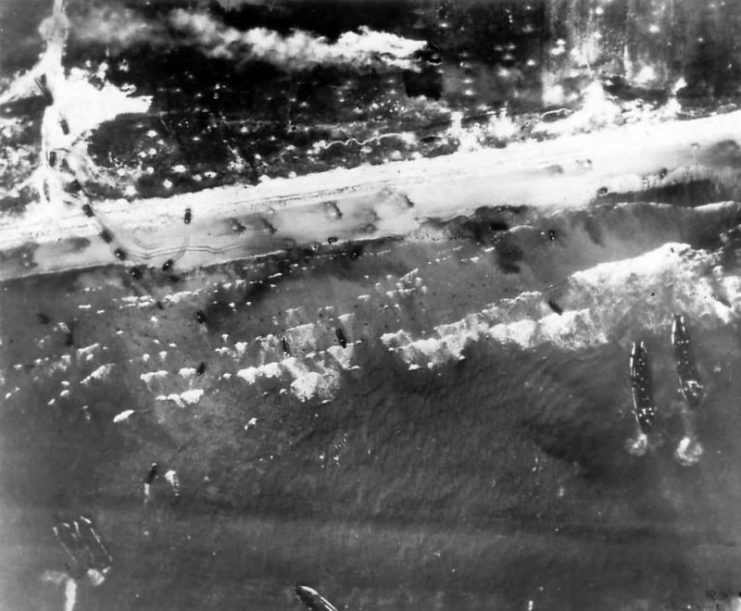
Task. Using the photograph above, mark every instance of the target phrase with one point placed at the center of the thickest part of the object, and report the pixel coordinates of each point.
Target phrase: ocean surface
(442, 420)
(482, 475)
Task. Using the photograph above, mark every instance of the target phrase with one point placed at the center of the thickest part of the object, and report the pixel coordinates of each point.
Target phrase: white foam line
(251, 374)
(182, 399)
(306, 383)
(178, 297)
(123, 416)
(100, 373)
(150, 376)
(133, 301)
(88, 349)
(595, 302)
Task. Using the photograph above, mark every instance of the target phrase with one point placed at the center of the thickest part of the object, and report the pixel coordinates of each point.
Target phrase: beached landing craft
(85, 548)
(313, 600)
(689, 379)
(88, 557)
(643, 401)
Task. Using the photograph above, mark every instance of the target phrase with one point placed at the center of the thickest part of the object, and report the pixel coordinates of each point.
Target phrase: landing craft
(149, 480)
(172, 478)
(85, 548)
(152, 474)
(313, 600)
(640, 381)
(689, 378)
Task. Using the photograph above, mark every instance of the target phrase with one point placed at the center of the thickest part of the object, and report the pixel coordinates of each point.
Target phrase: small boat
(313, 600)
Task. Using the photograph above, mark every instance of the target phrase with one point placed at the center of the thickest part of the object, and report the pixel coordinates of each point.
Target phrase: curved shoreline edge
(373, 202)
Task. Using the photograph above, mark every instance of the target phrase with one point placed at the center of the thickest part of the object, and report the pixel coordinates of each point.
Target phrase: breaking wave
(593, 307)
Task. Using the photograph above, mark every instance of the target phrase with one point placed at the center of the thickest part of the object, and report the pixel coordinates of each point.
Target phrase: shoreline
(373, 202)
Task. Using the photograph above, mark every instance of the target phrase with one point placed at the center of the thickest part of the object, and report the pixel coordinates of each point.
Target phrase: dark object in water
(188, 216)
(285, 345)
(269, 226)
(689, 379)
(620, 88)
(88, 210)
(43, 318)
(120, 254)
(555, 307)
(73, 186)
(65, 126)
(136, 273)
(663, 172)
(201, 368)
(427, 81)
(52, 159)
(200, 317)
(602, 191)
(341, 337)
(552, 234)
(640, 381)
(429, 54)
(106, 236)
(167, 265)
(237, 227)
(69, 337)
(331, 239)
(152, 474)
(313, 600)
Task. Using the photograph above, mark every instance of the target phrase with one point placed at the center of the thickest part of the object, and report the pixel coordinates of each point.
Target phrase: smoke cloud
(297, 51)
(119, 27)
